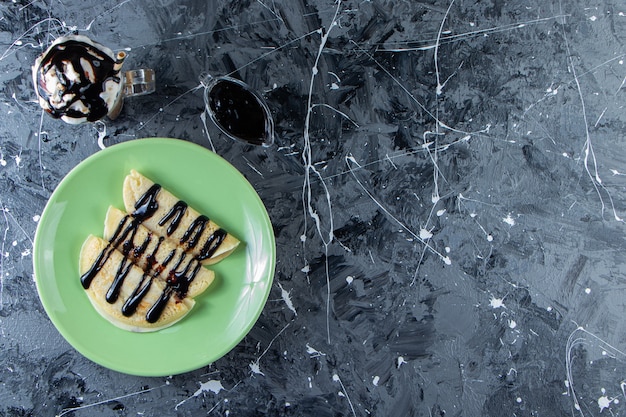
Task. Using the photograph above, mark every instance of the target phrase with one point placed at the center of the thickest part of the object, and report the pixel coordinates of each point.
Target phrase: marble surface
(447, 190)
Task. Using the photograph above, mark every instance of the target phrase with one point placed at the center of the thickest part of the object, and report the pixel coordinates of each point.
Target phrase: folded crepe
(166, 215)
(144, 274)
(126, 295)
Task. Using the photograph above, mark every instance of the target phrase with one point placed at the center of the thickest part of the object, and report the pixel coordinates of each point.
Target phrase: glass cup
(238, 111)
(79, 80)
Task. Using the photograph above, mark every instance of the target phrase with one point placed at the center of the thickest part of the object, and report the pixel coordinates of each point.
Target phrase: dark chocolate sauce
(238, 111)
(156, 310)
(179, 277)
(119, 236)
(131, 304)
(147, 204)
(73, 51)
(212, 243)
(115, 287)
(88, 276)
(175, 215)
(193, 233)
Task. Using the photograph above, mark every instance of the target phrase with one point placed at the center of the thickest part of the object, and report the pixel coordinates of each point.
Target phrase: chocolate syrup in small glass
(238, 111)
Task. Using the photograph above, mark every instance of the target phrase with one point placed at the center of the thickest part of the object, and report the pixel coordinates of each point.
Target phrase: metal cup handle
(139, 82)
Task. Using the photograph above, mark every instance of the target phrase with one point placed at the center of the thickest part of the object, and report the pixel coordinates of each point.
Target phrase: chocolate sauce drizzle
(179, 277)
(82, 89)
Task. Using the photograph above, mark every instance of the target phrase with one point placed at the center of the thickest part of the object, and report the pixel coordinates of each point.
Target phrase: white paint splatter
(256, 368)
(587, 290)
(287, 299)
(212, 385)
(376, 380)
(509, 220)
(349, 279)
(604, 402)
(313, 352)
(512, 324)
(496, 302)
(425, 234)
(400, 361)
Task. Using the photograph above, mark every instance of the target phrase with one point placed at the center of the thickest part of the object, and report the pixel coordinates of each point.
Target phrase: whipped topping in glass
(78, 80)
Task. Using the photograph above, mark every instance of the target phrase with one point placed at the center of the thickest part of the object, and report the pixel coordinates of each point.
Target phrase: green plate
(223, 314)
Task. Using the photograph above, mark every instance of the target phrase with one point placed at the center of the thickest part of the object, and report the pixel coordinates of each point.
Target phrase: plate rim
(84, 164)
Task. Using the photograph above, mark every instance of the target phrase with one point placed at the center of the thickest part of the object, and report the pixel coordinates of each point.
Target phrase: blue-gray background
(461, 252)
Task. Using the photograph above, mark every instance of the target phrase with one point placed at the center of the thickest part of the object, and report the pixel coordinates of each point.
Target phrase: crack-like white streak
(414, 99)
(3, 255)
(345, 116)
(581, 336)
(473, 215)
(206, 128)
(436, 55)
(272, 10)
(203, 33)
(446, 259)
(588, 151)
(344, 392)
(40, 151)
(255, 365)
(18, 42)
(327, 237)
(108, 400)
(273, 51)
(423, 148)
(143, 124)
(442, 40)
(8, 214)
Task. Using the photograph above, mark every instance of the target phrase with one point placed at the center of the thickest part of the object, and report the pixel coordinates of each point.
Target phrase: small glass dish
(238, 111)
